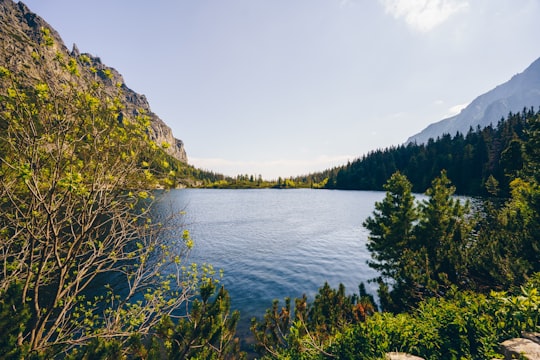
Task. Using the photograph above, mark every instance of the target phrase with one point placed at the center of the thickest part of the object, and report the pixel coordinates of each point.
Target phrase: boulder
(520, 348)
(402, 356)
(533, 336)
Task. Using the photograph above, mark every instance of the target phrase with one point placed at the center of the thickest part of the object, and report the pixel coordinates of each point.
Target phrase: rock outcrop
(21, 32)
(527, 347)
(402, 356)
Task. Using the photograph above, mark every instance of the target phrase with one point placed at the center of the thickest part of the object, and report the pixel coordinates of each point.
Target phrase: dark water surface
(273, 243)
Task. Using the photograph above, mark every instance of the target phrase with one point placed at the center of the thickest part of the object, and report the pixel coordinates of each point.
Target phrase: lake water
(273, 244)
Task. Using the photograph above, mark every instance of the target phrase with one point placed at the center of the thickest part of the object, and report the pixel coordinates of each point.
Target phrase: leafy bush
(463, 325)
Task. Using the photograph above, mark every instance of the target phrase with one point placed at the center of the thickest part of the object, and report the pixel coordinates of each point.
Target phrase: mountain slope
(522, 91)
(21, 31)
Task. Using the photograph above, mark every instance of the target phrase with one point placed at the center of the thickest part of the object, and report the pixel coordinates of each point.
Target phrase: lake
(273, 243)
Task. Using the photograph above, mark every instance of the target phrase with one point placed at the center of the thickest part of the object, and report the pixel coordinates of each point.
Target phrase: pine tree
(418, 250)
(443, 231)
(391, 231)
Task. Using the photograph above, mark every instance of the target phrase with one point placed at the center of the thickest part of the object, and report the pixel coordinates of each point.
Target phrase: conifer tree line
(469, 160)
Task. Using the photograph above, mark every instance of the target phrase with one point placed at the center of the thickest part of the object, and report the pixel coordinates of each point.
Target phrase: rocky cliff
(21, 32)
(521, 91)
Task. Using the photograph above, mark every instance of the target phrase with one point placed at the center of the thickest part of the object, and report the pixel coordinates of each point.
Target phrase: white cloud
(424, 15)
(456, 109)
(344, 3)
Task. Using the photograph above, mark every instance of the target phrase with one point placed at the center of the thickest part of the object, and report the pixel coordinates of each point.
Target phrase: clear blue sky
(288, 87)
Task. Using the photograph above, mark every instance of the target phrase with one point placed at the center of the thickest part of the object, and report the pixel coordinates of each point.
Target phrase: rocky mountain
(21, 31)
(521, 91)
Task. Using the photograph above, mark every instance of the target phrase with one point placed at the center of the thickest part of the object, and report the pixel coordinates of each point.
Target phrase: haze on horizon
(284, 88)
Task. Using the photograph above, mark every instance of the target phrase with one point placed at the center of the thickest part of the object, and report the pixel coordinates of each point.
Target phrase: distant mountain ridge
(521, 91)
(21, 33)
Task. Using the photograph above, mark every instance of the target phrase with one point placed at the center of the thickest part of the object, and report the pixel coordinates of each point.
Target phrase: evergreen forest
(469, 160)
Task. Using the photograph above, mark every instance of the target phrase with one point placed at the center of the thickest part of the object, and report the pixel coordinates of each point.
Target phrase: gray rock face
(21, 33)
(134, 103)
(522, 91)
(402, 356)
(521, 348)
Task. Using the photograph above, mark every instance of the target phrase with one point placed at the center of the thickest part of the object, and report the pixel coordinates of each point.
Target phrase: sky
(283, 88)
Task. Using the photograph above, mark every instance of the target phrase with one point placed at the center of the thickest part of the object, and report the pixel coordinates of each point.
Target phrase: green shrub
(464, 325)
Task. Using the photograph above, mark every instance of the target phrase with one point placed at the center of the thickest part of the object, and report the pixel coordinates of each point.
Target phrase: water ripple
(273, 244)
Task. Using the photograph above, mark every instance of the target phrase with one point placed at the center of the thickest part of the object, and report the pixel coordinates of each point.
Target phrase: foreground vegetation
(460, 325)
